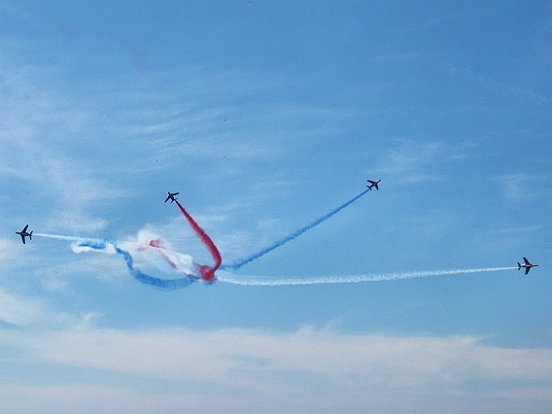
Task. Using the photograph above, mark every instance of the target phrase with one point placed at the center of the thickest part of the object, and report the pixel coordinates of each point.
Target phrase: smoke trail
(234, 279)
(248, 259)
(207, 272)
(167, 284)
(72, 238)
(143, 244)
(148, 249)
(185, 265)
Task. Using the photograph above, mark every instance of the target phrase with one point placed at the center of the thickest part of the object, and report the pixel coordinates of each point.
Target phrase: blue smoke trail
(166, 284)
(248, 259)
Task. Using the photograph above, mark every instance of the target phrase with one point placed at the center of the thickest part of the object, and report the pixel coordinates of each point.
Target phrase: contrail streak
(231, 278)
(248, 259)
(72, 238)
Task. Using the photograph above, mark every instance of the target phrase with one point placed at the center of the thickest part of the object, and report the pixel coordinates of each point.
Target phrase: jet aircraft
(373, 184)
(171, 196)
(527, 265)
(23, 233)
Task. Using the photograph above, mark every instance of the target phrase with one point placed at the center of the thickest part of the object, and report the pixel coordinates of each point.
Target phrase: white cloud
(101, 399)
(8, 255)
(28, 312)
(16, 311)
(24, 311)
(313, 371)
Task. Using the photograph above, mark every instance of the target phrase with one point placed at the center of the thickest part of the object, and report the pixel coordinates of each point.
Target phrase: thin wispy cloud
(411, 161)
(24, 312)
(50, 172)
(522, 187)
(499, 88)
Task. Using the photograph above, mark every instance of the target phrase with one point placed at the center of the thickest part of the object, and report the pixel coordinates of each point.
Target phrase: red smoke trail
(207, 272)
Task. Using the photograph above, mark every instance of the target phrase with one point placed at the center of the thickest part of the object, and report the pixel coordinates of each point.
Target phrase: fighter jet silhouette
(527, 265)
(373, 184)
(23, 233)
(171, 196)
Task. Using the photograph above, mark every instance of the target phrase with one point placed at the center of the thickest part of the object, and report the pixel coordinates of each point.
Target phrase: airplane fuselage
(171, 196)
(23, 233)
(527, 265)
(373, 184)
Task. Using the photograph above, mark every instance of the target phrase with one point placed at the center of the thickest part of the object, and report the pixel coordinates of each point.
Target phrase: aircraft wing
(527, 270)
(25, 229)
(22, 238)
(167, 199)
(526, 261)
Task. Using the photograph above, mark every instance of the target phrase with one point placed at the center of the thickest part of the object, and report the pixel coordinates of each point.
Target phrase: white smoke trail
(71, 238)
(235, 279)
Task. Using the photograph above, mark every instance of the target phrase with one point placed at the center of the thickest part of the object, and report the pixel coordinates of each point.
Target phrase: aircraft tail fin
(519, 265)
(31, 235)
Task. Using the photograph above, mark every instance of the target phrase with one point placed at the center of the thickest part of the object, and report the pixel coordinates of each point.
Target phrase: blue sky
(265, 116)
